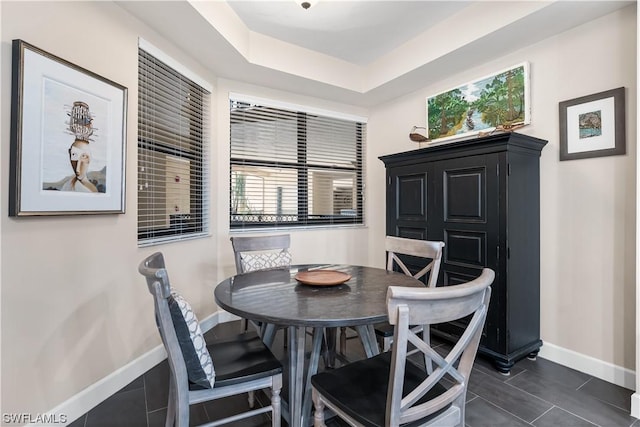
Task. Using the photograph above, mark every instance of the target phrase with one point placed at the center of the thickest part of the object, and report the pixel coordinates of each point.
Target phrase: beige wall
(74, 309)
(587, 206)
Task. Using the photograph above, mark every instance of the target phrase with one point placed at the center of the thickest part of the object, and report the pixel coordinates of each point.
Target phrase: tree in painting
(502, 100)
(444, 112)
(498, 100)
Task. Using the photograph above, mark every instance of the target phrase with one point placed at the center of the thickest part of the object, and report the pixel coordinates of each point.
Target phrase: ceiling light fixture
(306, 4)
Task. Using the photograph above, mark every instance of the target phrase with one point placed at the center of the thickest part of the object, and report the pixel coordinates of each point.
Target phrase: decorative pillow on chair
(194, 348)
(261, 261)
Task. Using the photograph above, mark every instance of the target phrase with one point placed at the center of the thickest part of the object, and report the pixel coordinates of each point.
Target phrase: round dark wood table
(275, 297)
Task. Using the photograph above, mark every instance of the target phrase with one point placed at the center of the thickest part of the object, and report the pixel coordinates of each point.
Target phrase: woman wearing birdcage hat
(80, 124)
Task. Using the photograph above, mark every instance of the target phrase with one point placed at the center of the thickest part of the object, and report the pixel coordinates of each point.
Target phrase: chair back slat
(407, 306)
(426, 249)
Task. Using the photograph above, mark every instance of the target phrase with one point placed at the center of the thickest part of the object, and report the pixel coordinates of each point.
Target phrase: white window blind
(294, 168)
(172, 137)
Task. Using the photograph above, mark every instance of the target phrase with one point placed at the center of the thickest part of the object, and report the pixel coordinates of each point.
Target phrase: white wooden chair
(396, 247)
(391, 389)
(201, 372)
(423, 249)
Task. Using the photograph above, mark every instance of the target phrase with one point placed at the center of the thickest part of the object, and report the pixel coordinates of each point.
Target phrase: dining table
(315, 297)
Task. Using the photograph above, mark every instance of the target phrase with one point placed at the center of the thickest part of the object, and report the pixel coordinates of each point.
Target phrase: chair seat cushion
(242, 357)
(385, 330)
(359, 389)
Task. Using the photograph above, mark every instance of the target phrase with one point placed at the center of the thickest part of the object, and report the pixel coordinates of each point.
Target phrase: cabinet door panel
(464, 194)
(466, 248)
(411, 233)
(466, 210)
(407, 214)
(465, 215)
(412, 197)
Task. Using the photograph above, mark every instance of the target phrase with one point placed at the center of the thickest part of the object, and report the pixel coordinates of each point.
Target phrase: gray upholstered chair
(392, 389)
(253, 253)
(423, 250)
(201, 372)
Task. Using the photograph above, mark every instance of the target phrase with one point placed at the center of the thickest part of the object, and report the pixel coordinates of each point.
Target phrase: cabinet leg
(503, 367)
(533, 355)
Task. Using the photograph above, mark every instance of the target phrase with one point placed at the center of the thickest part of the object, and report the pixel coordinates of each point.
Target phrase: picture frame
(593, 125)
(68, 137)
(499, 101)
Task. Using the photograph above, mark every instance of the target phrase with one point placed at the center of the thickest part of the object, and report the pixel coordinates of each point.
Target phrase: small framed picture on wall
(593, 125)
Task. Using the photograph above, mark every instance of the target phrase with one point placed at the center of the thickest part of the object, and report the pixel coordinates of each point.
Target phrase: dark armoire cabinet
(481, 196)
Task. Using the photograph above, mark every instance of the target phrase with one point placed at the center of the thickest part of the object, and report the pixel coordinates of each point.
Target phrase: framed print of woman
(80, 178)
(80, 123)
(68, 137)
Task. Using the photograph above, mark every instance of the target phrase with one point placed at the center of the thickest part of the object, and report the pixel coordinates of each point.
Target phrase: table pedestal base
(300, 380)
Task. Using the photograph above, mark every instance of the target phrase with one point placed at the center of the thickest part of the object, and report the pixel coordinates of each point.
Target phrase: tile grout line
(146, 404)
(598, 398)
(582, 418)
(504, 410)
(525, 391)
(566, 410)
(515, 376)
(543, 414)
(584, 384)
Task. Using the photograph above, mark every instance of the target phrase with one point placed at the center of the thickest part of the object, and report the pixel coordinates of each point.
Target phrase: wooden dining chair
(424, 253)
(392, 389)
(420, 252)
(201, 372)
(252, 253)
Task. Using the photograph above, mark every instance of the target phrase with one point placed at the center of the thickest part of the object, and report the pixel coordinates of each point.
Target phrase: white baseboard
(225, 316)
(589, 365)
(99, 391)
(635, 405)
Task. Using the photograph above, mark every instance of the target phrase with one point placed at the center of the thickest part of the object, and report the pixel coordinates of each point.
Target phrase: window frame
(302, 166)
(194, 149)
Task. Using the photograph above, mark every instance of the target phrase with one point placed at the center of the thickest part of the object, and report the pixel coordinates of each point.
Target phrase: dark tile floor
(537, 393)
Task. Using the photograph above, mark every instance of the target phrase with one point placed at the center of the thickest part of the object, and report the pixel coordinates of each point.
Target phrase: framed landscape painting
(68, 130)
(500, 100)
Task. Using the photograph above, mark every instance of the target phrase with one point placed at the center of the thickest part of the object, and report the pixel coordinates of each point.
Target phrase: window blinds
(294, 168)
(172, 134)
